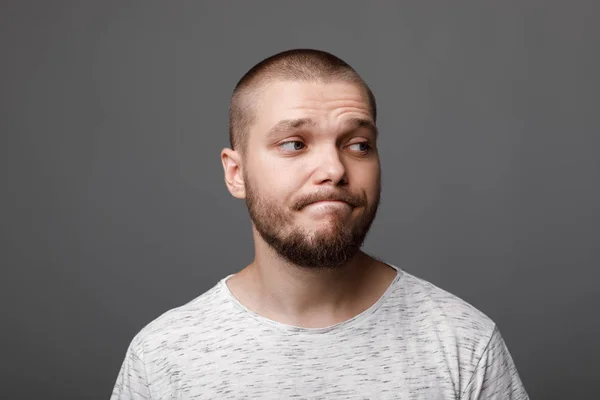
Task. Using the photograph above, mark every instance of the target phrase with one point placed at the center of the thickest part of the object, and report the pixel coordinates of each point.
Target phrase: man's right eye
(292, 145)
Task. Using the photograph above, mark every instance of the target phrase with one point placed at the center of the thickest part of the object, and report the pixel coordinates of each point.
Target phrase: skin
(323, 153)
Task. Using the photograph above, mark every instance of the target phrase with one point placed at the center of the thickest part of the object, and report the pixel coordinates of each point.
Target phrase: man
(314, 317)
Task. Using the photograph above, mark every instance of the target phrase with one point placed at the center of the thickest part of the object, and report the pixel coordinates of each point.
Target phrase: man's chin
(324, 233)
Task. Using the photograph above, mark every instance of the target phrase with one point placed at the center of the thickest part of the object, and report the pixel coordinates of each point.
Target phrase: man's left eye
(360, 147)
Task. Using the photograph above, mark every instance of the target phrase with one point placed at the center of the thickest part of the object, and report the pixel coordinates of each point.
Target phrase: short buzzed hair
(305, 65)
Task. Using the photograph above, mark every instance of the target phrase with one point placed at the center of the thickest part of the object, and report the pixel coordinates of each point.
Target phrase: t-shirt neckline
(298, 329)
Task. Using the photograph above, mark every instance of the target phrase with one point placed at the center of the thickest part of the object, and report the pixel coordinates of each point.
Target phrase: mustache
(353, 200)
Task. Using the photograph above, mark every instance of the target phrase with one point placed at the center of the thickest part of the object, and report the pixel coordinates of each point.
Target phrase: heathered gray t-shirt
(417, 342)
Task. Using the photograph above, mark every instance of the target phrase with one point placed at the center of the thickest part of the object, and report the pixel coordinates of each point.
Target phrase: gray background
(113, 206)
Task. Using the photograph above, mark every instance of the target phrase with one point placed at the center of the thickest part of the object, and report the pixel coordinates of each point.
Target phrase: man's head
(302, 130)
(299, 65)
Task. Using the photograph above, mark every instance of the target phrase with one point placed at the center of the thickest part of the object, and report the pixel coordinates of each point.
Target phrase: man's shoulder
(191, 320)
(423, 301)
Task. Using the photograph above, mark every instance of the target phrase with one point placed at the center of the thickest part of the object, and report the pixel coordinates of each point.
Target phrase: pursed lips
(331, 202)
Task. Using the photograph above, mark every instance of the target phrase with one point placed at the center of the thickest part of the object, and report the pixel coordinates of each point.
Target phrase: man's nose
(330, 167)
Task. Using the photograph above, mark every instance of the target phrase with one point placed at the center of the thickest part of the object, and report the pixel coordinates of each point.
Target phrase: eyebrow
(288, 125)
(351, 124)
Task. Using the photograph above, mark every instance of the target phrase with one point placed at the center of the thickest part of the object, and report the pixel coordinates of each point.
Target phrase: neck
(309, 297)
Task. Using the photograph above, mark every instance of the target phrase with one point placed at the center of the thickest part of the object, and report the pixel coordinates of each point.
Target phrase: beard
(322, 248)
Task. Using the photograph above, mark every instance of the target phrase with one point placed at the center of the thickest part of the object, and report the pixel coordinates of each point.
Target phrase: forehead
(321, 102)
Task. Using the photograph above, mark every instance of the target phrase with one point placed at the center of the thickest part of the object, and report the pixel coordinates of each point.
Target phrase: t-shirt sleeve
(132, 383)
(495, 376)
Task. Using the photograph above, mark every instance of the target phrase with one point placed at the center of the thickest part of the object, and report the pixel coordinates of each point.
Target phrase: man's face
(312, 171)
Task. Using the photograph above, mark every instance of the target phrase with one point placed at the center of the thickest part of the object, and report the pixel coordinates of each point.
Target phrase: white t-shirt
(417, 342)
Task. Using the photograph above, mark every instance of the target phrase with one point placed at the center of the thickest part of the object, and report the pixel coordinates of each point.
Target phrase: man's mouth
(330, 204)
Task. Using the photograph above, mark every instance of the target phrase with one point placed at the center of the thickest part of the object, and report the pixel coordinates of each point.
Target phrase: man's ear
(234, 174)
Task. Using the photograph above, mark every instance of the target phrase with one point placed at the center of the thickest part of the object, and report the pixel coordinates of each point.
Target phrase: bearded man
(313, 316)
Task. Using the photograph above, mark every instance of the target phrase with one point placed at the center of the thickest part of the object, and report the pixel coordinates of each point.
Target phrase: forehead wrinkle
(350, 102)
(318, 103)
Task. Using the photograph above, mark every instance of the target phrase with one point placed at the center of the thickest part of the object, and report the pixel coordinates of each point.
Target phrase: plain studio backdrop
(113, 207)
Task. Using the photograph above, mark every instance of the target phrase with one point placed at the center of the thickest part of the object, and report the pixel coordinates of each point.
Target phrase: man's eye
(361, 147)
(293, 145)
